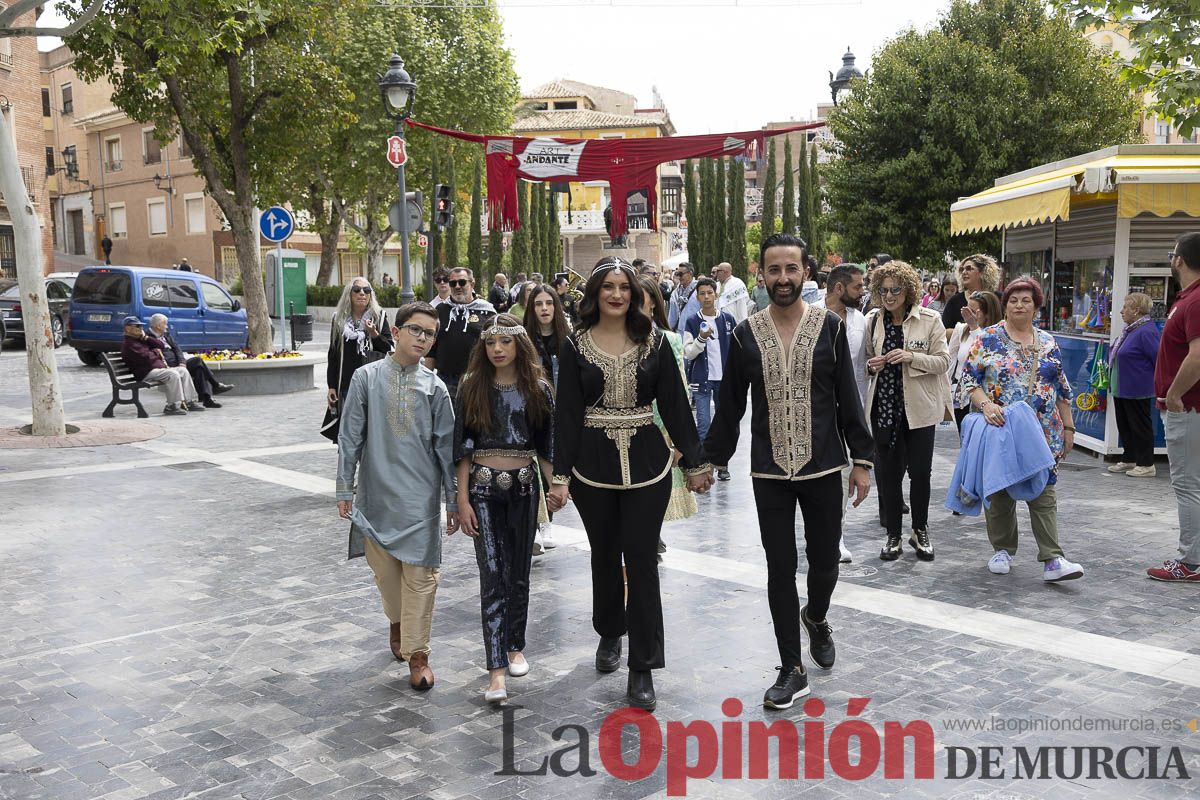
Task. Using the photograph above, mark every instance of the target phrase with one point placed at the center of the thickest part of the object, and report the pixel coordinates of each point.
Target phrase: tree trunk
(374, 238)
(329, 228)
(45, 398)
(254, 293)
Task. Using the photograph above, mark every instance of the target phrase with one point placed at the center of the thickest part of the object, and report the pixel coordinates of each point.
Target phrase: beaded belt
(502, 478)
(619, 418)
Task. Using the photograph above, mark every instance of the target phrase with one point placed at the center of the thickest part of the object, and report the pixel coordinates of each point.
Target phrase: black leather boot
(608, 654)
(641, 690)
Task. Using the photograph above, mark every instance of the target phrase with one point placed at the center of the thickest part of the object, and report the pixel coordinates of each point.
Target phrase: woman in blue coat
(1132, 363)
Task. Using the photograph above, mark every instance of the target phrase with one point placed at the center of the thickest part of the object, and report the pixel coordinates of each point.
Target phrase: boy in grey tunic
(397, 434)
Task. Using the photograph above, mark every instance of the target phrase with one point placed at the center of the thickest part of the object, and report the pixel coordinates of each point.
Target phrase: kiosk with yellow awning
(1092, 229)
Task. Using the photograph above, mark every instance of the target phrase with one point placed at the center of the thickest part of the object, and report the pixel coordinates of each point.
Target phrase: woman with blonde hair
(977, 273)
(359, 335)
(907, 397)
(1132, 360)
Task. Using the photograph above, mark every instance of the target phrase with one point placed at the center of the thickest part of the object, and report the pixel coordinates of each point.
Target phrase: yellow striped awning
(1146, 183)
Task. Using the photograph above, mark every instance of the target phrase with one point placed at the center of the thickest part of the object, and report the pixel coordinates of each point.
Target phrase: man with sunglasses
(684, 302)
(461, 320)
(1177, 387)
(395, 459)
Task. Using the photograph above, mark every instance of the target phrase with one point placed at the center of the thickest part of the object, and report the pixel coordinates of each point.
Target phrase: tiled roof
(583, 119)
(561, 88)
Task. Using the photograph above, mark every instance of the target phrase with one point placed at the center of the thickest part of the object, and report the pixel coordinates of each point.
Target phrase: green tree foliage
(436, 256)
(817, 212)
(520, 237)
(754, 237)
(736, 230)
(719, 215)
(997, 86)
(554, 259)
(691, 206)
(804, 198)
(451, 233)
(537, 221)
(768, 189)
(187, 69)
(703, 258)
(495, 255)
(789, 188)
(1164, 33)
(475, 236)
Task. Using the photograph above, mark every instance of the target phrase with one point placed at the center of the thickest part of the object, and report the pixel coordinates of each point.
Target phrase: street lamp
(840, 84)
(158, 181)
(397, 90)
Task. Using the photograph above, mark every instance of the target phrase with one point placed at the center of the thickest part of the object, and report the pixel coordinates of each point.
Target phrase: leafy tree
(475, 237)
(720, 250)
(707, 183)
(1165, 33)
(817, 232)
(188, 68)
(997, 86)
(768, 188)
(450, 241)
(520, 237)
(804, 198)
(736, 231)
(789, 188)
(436, 257)
(554, 261)
(754, 237)
(691, 206)
(495, 256)
(536, 220)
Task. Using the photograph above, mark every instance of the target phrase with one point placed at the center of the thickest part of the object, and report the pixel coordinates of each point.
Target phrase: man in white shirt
(705, 347)
(843, 295)
(732, 294)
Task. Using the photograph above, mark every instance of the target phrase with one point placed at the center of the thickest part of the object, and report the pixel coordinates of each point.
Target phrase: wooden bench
(123, 381)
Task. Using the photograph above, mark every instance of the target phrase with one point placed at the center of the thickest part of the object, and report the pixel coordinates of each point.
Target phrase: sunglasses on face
(440, 280)
(458, 284)
(360, 289)
(419, 333)
(894, 290)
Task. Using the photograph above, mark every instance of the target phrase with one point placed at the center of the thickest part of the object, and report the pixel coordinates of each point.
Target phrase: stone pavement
(178, 619)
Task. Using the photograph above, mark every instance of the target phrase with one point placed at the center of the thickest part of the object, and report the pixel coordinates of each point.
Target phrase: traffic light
(444, 206)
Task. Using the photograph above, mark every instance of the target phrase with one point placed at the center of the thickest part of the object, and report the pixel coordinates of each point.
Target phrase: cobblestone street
(178, 619)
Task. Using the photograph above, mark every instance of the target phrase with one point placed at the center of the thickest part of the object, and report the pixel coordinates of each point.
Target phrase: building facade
(20, 103)
(575, 110)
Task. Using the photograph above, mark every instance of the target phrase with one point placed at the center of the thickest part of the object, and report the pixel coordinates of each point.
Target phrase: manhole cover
(192, 465)
(856, 571)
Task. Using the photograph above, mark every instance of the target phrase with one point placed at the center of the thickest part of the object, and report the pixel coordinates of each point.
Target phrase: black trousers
(625, 523)
(202, 376)
(959, 415)
(820, 501)
(1137, 430)
(507, 520)
(912, 453)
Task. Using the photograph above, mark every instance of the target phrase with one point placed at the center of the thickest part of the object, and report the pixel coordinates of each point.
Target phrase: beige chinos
(408, 592)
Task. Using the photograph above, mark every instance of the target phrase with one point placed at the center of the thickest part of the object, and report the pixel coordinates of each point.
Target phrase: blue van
(202, 315)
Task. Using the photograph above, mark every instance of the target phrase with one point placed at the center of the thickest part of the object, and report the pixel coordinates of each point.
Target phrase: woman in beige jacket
(907, 396)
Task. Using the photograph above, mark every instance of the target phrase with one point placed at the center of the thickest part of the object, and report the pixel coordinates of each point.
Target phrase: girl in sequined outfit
(503, 432)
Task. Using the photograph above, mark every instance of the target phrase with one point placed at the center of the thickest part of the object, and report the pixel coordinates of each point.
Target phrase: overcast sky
(718, 66)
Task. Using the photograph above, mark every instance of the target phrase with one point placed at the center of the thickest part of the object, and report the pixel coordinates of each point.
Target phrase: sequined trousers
(506, 507)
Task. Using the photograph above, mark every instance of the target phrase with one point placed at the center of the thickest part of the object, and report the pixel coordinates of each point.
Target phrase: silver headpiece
(496, 329)
(614, 264)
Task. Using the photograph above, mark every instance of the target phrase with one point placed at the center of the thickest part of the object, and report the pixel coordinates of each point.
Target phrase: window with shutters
(194, 211)
(116, 221)
(156, 217)
(151, 152)
(68, 106)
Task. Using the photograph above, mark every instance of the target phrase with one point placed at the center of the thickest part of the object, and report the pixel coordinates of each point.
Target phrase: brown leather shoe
(394, 641)
(421, 677)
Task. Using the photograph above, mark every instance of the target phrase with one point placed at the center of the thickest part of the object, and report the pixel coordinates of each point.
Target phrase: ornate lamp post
(398, 92)
(840, 84)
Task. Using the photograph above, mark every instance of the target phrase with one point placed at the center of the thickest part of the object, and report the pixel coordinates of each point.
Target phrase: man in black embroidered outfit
(795, 360)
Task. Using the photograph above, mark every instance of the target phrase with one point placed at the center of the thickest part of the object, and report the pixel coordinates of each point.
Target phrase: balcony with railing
(114, 166)
(27, 176)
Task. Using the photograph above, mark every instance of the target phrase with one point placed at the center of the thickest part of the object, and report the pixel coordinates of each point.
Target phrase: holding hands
(558, 497)
(701, 482)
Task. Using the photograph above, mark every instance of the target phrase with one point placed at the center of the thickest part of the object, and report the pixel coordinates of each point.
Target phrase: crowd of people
(627, 397)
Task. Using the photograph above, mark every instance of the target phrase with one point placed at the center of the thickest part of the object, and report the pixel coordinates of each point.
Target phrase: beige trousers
(176, 382)
(407, 592)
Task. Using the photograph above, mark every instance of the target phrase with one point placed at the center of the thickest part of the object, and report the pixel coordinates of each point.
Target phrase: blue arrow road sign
(276, 224)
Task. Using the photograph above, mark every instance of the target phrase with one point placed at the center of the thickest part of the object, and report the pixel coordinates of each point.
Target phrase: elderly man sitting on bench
(143, 355)
(202, 377)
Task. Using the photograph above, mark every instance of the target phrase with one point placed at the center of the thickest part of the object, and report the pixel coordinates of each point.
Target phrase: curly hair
(903, 275)
(989, 270)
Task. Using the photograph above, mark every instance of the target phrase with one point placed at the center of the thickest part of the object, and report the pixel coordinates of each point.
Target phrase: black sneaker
(608, 654)
(722, 474)
(788, 686)
(919, 539)
(210, 403)
(892, 548)
(820, 640)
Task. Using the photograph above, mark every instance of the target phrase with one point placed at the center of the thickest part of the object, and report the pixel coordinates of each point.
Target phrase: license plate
(99, 317)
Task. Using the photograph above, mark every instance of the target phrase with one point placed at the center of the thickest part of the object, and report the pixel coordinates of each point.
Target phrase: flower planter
(268, 375)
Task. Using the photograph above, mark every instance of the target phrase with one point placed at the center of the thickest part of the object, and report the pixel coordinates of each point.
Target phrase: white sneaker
(546, 535)
(1000, 563)
(846, 556)
(1143, 472)
(1121, 466)
(1059, 569)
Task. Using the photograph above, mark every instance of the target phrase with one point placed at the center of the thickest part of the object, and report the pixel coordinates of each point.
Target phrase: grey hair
(154, 318)
(1142, 303)
(342, 312)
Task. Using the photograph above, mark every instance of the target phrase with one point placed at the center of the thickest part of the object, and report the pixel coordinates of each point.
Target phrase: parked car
(58, 295)
(201, 313)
